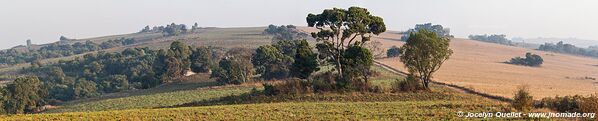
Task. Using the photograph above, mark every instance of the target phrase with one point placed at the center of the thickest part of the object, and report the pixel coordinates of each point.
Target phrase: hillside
(249, 37)
(480, 66)
(148, 104)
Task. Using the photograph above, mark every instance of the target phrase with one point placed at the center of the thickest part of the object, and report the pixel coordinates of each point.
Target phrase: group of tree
(170, 29)
(282, 32)
(268, 62)
(340, 44)
(561, 47)
(55, 50)
(499, 39)
(529, 60)
(438, 29)
(105, 72)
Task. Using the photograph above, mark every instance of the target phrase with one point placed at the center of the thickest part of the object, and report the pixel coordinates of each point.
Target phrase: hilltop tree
(305, 61)
(424, 53)
(339, 28)
(145, 29)
(194, 27)
(63, 38)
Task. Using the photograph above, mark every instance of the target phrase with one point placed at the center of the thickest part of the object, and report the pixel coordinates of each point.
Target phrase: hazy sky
(44, 21)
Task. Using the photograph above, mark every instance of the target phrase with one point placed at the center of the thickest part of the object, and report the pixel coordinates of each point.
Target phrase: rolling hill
(480, 66)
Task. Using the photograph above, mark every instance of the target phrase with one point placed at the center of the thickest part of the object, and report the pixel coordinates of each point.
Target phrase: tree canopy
(339, 28)
(424, 53)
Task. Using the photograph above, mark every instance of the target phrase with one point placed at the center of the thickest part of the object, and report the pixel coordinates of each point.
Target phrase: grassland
(441, 103)
(403, 110)
(478, 65)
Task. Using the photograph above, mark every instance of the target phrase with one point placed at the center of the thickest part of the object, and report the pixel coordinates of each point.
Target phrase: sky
(44, 21)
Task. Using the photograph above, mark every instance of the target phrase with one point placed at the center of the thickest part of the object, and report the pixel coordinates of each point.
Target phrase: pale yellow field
(479, 65)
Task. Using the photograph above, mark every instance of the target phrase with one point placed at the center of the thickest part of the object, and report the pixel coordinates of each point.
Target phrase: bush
(589, 104)
(575, 103)
(290, 87)
(409, 84)
(270, 90)
(523, 101)
(324, 82)
(529, 60)
(394, 51)
(561, 104)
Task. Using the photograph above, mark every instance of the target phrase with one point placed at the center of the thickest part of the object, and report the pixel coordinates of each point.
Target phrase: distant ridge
(575, 41)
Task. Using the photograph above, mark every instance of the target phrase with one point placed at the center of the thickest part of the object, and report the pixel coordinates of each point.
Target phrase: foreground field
(405, 110)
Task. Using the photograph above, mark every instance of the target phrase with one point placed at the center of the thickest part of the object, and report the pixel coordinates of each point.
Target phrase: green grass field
(400, 110)
(441, 103)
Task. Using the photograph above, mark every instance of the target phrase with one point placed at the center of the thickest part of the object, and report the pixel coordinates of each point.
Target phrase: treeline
(55, 50)
(170, 29)
(499, 39)
(560, 47)
(438, 29)
(96, 74)
(282, 32)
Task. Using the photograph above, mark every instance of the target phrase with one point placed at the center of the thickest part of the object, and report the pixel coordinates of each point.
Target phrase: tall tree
(424, 53)
(305, 60)
(271, 63)
(201, 60)
(339, 28)
(235, 68)
(357, 61)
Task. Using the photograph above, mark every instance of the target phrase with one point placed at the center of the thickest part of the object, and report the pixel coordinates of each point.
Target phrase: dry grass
(479, 65)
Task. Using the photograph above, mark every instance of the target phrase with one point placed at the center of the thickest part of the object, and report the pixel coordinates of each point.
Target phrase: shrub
(270, 90)
(409, 84)
(561, 104)
(523, 101)
(290, 87)
(394, 51)
(324, 82)
(589, 104)
(575, 103)
(529, 60)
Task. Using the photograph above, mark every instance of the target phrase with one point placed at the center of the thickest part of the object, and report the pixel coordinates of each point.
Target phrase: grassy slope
(250, 37)
(442, 103)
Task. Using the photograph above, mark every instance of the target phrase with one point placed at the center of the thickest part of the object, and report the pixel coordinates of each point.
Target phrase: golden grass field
(479, 66)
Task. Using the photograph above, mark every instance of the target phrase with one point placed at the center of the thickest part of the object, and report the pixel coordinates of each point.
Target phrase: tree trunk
(339, 66)
(426, 84)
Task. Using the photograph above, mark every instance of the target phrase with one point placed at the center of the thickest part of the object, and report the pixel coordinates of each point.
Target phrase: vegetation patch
(152, 100)
(403, 110)
(529, 60)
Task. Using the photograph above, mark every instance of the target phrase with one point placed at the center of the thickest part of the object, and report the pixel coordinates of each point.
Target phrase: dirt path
(452, 86)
